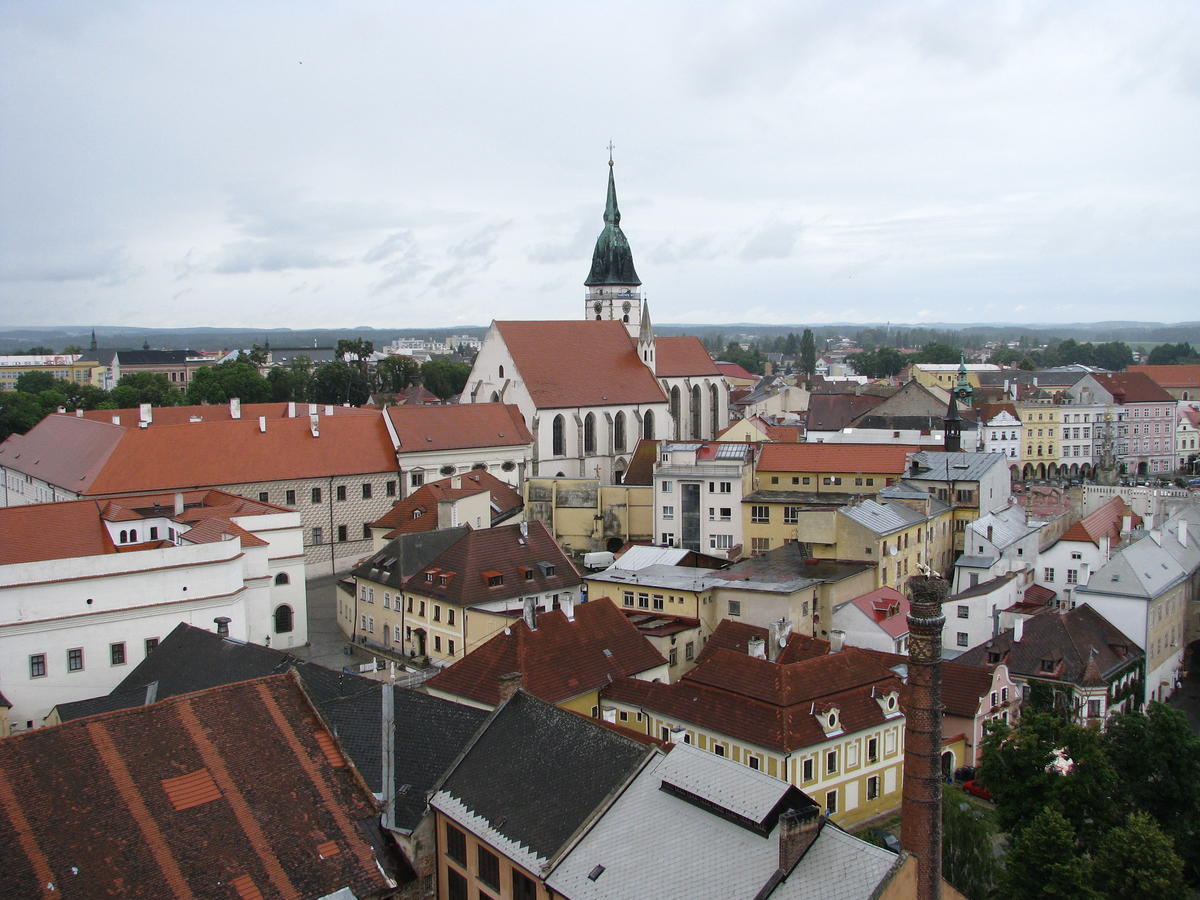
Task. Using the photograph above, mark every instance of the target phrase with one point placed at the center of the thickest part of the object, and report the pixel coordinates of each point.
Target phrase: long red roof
(458, 426)
(678, 356)
(886, 459)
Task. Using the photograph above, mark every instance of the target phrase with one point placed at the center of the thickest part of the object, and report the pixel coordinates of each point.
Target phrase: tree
(444, 378)
(338, 382)
(257, 355)
(881, 363)
(357, 349)
(1138, 860)
(35, 382)
(1005, 356)
(145, 387)
(1043, 861)
(394, 373)
(1114, 356)
(224, 381)
(39, 350)
(968, 857)
(1173, 354)
(937, 352)
(808, 353)
(72, 349)
(19, 411)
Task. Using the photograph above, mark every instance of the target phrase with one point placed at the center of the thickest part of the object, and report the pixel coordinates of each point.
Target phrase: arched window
(697, 413)
(675, 412)
(558, 437)
(284, 620)
(124, 537)
(501, 371)
(589, 433)
(133, 535)
(619, 432)
(714, 404)
(648, 425)
(495, 397)
(282, 578)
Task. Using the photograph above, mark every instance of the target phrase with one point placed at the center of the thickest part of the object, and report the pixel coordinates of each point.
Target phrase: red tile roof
(418, 511)
(458, 427)
(733, 370)
(74, 528)
(1133, 387)
(677, 356)
(164, 800)
(1186, 376)
(558, 661)
(833, 412)
(502, 551)
(62, 450)
(1105, 521)
(559, 362)
(963, 687)
(888, 459)
(217, 412)
(876, 606)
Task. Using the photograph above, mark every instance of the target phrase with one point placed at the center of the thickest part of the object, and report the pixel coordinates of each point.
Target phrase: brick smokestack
(798, 828)
(921, 811)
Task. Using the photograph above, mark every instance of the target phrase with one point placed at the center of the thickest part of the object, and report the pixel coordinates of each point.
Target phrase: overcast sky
(399, 164)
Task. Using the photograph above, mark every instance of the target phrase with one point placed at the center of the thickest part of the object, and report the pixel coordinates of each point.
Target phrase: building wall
(824, 482)
(585, 515)
(721, 488)
(468, 868)
(417, 467)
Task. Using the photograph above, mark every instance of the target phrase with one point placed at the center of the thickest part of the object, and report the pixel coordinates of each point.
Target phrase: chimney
(1183, 534)
(455, 482)
(757, 647)
(291, 409)
(510, 684)
(79, 413)
(314, 425)
(151, 693)
(780, 630)
(328, 409)
(235, 408)
(1126, 525)
(179, 503)
(222, 625)
(145, 413)
(262, 424)
(567, 605)
(837, 640)
(387, 743)
(798, 828)
(921, 808)
(1105, 543)
(524, 530)
(447, 514)
(312, 409)
(531, 611)
(1018, 629)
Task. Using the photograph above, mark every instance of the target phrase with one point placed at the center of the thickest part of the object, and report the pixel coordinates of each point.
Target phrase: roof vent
(595, 873)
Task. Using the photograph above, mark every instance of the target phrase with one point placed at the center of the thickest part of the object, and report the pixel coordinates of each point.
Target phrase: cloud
(775, 240)
(245, 256)
(396, 242)
(108, 266)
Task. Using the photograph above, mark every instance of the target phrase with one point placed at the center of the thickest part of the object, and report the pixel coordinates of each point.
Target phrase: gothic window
(559, 437)
(648, 425)
(619, 432)
(589, 433)
(714, 402)
(697, 412)
(282, 578)
(283, 619)
(675, 411)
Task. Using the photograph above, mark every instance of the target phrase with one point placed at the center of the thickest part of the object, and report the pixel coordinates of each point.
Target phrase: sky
(397, 164)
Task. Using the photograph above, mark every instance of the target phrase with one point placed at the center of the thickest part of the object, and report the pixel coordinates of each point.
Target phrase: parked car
(974, 787)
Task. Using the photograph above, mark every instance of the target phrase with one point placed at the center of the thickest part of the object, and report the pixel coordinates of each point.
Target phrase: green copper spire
(612, 260)
(963, 387)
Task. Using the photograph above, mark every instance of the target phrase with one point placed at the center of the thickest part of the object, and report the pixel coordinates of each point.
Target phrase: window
(318, 536)
(523, 888)
(488, 866)
(371, 624)
(285, 619)
(450, 616)
(1093, 709)
(831, 802)
(366, 491)
(791, 515)
(719, 749)
(760, 513)
(735, 607)
(807, 770)
(495, 579)
(437, 643)
(873, 787)
(589, 433)
(37, 665)
(1047, 574)
(75, 660)
(725, 513)
(643, 601)
(656, 602)
(153, 533)
(341, 492)
(456, 885)
(831, 762)
(628, 598)
(673, 657)
(1047, 665)
(391, 488)
(456, 844)
(872, 749)
(558, 437)
(1072, 576)
(450, 646)
(416, 478)
(668, 512)
(668, 487)
(116, 653)
(341, 532)
(689, 650)
(759, 546)
(752, 762)
(721, 541)
(961, 639)
(316, 497)
(964, 612)
(151, 645)
(263, 497)
(1003, 695)
(619, 432)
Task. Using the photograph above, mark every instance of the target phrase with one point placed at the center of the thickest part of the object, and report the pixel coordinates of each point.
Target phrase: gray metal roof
(935, 465)
(882, 518)
(697, 853)
(1138, 569)
(1008, 526)
(681, 578)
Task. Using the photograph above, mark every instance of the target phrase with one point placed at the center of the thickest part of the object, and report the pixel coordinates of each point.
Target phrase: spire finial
(611, 146)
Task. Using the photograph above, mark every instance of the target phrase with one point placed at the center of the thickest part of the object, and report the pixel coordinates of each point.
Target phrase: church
(589, 389)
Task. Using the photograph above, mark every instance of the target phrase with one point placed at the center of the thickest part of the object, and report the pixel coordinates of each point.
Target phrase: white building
(1000, 431)
(698, 491)
(92, 586)
(876, 620)
(1084, 548)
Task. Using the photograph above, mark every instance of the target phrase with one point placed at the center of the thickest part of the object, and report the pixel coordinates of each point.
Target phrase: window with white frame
(668, 512)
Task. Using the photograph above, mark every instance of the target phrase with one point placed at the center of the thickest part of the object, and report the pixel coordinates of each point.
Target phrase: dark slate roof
(430, 733)
(192, 659)
(408, 554)
(536, 773)
(154, 357)
(909, 423)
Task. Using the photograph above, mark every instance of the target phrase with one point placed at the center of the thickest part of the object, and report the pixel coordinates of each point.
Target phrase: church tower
(613, 286)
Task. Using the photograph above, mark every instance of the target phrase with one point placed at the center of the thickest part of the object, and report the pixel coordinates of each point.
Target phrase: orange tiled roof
(1186, 376)
(560, 364)
(418, 511)
(886, 459)
(216, 412)
(560, 660)
(963, 687)
(676, 356)
(164, 800)
(733, 370)
(458, 427)
(1105, 521)
(1133, 387)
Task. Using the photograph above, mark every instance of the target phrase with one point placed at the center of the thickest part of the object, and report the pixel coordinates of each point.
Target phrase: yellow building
(945, 375)
(786, 716)
(67, 366)
(830, 468)
(585, 515)
(1040, 431)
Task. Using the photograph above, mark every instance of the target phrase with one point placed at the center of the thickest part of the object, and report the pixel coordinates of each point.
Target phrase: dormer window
(417, 513)
(429, 578)
(492, 578)
(993, 657)
(1047, 665)
(830, 720)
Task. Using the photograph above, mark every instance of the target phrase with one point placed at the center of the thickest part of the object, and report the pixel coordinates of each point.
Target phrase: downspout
(332, 534)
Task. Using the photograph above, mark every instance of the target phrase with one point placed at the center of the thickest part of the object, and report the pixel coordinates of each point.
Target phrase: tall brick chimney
(921, 811)
(798, 828)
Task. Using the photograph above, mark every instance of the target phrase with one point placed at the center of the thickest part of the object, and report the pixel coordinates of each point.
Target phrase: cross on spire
(611, 145)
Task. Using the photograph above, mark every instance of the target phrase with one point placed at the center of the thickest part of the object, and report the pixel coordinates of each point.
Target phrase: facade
(829, 723)
(1146, 439)
(1000, 432)
(975, 484)
(1181, 382)
(179, 366)
(1084, 548)
(1088, 667)
(1187, 439)
(93, 586)
(478, 499)
(877, 620)
(972, 697)
(698, 490)
(839, 469)
(67, 366)
(585, 515)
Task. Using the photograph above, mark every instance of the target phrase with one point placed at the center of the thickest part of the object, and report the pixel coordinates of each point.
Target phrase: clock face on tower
(597, 306)
(626, 306)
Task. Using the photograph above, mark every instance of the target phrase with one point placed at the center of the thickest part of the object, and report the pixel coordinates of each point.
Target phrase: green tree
(808, 353)
(84, 396)
(937, 352)
(145, 387)
(791, 345)
(38, 350)
(19, 411)
(71, 349)
(35, 382)
(338, 382)
(1043, 861)
(224, 381)
(1028, 363)
(1005, 356)
(968, 857)
(257, 355)
(394, 373)
(356, 349)
(444, 378)
(1173, 354)
(1138, 860)
(881, 363)
(1114, 356)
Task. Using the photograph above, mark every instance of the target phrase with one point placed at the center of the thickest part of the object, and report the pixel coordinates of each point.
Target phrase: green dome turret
(612, 260)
